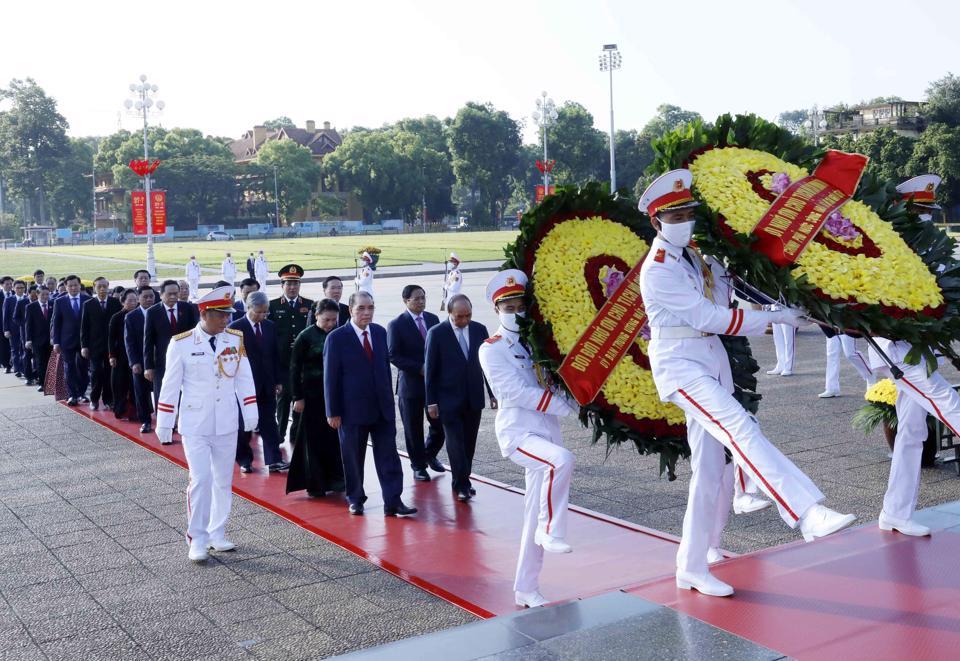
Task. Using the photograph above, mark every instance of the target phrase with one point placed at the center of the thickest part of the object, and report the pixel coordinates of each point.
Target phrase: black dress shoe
(72, 401)
(31, 382)
(19, 375)
(473, 492)
(435, 465)
(356, 509)
(145, 428)
(94, 406)
(278, 467)
(421, 475)
(246, 468)
(399, 510)
(39, 388)
(463, 496)
(84, 400)
(316, 494)
(8, 370)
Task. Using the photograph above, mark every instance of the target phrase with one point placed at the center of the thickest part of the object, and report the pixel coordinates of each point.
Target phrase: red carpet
(860, 594)
(463, 553)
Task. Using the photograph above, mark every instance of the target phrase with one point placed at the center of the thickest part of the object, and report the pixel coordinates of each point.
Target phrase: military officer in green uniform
(290, 313)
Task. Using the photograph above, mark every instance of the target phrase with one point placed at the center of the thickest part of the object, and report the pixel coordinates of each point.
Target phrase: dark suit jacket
(20, 314)
(357, 389)
(157, 332)
(115, 342)
(453, 382)
(9, 309)
(406, 352)
(264, 359)
(133, 336)
(36, 327)
(66, 324)
(344, 315)
(238, 311)
(95, 325)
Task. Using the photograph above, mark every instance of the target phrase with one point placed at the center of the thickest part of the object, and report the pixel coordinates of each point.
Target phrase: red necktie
(367, 347)
(173, 321)
(45, 312)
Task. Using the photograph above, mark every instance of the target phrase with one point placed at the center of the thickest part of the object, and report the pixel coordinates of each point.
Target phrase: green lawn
(118, 262)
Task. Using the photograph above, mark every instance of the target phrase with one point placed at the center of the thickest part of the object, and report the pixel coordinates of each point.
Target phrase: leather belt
(676, 333)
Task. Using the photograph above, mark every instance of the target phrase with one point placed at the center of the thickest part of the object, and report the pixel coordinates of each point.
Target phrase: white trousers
(784, 340)
(848, 345)
(735, 483)
(263, 283)
(194, 289)
(725, 423)
(547, 468)
(917, 395)
(210, 460)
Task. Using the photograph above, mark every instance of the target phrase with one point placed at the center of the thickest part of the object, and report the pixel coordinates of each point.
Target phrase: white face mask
(677, 234)
(509, 320)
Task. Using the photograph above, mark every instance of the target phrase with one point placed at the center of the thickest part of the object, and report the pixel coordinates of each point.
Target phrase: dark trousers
(269, 433)
(16, 352)
(75, 373)
(4, 349)
(412, 412)
(460, 429)
(353, 449)
(283, 414)
(41, 358)
(120, 388)
(99, 369)
(142, 398)
(28, 370)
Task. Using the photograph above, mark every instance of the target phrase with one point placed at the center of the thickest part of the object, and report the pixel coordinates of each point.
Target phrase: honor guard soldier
(290, 313)
(528, 431)
(687, 301)
(918, 395)
(192, 271)
(453, 283)
(208, 379)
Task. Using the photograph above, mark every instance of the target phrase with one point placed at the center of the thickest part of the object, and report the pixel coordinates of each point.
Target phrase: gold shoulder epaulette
(180, 336)
(234, 331)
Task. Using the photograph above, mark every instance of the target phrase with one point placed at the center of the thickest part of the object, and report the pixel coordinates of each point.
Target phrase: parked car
(218, 235)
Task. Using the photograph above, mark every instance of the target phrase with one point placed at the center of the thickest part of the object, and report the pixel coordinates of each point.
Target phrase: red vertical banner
(158, 211)
(138, 200)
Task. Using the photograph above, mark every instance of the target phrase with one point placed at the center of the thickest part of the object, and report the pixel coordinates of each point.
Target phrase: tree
(937, 150)
(279, 122)
(630, 158)
(71, 190)
(297, 173)
(433, 154)
(579, 149)
(668, 117)
(793, 120)
(943, 101)
(33, 139)
(485, 146)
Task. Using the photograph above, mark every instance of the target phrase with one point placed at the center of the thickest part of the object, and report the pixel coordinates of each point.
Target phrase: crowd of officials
(106, 348)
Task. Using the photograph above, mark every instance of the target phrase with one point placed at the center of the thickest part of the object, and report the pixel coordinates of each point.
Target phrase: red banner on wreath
(138, 200)
(540, 195)
(799, 213)
(606, 340)
(158, 211)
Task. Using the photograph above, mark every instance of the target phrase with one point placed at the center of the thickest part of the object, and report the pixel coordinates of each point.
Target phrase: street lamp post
(610, 60)
(815, 123)
(544, 116)
(276, 198)
(141, 105)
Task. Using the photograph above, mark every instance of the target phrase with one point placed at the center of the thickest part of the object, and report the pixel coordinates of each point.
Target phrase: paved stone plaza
(94, 564)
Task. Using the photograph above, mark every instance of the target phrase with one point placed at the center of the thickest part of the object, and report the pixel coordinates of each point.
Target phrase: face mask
(509, 320)
(677, 234)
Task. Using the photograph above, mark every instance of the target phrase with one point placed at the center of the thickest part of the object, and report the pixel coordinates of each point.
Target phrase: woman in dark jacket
(316, 464)
(120, 375)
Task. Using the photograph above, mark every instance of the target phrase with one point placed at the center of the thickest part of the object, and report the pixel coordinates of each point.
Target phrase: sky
(222, 67)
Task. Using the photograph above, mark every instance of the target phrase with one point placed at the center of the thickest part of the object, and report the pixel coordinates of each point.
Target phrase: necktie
(256, 330)
(213, 343)
(45, 312)
(173, 320)
(462, 336)
(293, 305)
(103, 306)
(76, 305)
(366, 346)
(423, 329)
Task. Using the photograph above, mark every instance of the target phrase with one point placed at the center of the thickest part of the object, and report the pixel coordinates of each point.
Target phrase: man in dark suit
(406, 336)
(19, 321)
(66, 339)
(247, 285)
(333, 289)
(11, 329)
(6, 291)
(455, 384)
(94, 331)
(167, 318)
(290, 313)
(260, 343)
(356, 386)
(133, 325)
(37, 332)
(251, 266)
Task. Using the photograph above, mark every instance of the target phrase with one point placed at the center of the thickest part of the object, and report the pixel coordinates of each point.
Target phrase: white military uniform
(364, 280)
(260, 271)
(843, 343)
(691, 369)
(785, 344)
(228, 270)
(528, 431)
(454, 280)
(193, 278)
(207, 384)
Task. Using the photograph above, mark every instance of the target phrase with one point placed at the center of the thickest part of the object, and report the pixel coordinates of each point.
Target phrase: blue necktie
(76, 306)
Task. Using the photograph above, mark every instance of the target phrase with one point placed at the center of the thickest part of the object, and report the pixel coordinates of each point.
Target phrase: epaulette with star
(180, 336)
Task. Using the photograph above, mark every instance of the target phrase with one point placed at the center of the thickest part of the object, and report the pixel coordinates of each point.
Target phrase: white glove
(250, 426)
(165, 434)
(791, 317)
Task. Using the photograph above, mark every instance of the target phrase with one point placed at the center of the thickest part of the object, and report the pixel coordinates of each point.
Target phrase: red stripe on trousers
(742, 455)
(743, 484)
(549, 487)
(935, 407)
(189, 538)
